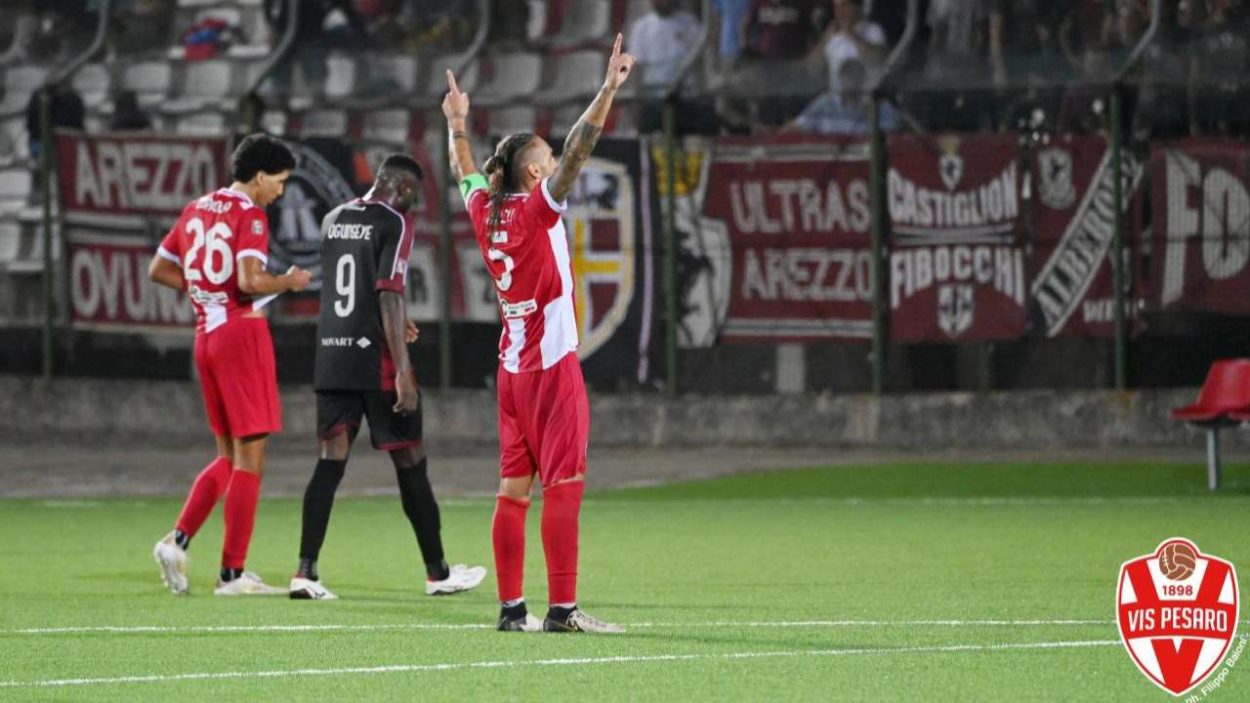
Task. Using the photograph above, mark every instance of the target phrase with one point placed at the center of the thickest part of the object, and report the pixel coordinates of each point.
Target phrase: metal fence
(1074, 218)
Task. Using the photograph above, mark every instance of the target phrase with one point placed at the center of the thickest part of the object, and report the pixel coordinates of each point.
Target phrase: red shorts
(544, 422)
(239, 378)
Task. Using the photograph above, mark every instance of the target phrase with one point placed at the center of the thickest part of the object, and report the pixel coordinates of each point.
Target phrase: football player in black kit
(363, 370)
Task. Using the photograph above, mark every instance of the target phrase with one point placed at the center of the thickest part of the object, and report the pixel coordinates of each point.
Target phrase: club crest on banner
(1055, 186)
(315, 187)
(950, 163)
(601, 227)
(1177, 611)
(955, 309)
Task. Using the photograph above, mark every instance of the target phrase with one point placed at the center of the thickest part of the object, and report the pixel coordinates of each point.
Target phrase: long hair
(503, 174)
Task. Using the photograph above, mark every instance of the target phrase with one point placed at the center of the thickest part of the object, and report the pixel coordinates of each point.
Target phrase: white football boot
(307, 589)
(461, 578)
(173, 562)
(249, 584)
(577, 621)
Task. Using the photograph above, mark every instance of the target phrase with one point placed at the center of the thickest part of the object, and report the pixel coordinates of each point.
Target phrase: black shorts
(342, 410)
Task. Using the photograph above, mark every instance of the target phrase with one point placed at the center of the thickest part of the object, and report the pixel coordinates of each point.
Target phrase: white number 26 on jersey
(218, 263)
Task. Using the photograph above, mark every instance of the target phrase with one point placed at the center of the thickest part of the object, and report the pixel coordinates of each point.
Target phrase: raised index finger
(616, 48)
(451, 82)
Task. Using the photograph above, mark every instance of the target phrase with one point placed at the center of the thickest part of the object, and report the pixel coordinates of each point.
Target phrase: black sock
(559, 614)
(438, 570)
(513, 612)
(318, 500)
(308, 569)
(182, 539)
(422, 511)
(228, 575)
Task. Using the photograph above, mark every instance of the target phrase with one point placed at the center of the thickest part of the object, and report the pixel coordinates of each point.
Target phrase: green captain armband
(472, 182)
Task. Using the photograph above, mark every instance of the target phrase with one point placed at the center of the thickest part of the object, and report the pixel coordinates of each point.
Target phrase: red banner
(117, 174)
(109, 286)
(118, 194)
(956, 262)
(1202, 225)
(1073, 212)
(794, 216)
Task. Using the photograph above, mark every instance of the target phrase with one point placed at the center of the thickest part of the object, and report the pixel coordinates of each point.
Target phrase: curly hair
(260, 152)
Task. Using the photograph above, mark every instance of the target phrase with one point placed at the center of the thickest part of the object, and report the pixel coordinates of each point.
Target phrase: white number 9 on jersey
(345, 285)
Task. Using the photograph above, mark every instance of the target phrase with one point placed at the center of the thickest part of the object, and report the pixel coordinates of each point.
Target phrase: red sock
(240, 517)
(508, 534)
(561, 504)
(205, 492)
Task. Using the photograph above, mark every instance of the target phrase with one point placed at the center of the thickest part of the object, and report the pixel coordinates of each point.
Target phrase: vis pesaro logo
(1177, 610)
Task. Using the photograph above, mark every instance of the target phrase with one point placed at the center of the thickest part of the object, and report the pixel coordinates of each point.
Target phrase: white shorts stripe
(516, 342)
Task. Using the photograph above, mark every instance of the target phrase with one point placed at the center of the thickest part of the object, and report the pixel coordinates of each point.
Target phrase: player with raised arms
(216, 252)
(363, 370)
(544, 414)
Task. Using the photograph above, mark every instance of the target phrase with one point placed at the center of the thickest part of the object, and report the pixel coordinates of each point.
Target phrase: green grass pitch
(926, 581)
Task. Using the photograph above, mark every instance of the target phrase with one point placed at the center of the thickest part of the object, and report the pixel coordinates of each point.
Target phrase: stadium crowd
(977, 64)
(804, 65)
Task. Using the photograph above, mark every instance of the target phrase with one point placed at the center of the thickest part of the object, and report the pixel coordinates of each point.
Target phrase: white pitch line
(193, 629)
(853, 501)
(972, 501)
(516, 663)
(165, 629)
(877, 623)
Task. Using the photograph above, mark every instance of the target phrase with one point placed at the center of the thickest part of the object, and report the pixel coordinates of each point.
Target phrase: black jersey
(364, 250)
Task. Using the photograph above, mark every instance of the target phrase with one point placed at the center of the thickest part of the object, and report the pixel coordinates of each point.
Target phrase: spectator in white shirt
(850, 36)
(660, 41)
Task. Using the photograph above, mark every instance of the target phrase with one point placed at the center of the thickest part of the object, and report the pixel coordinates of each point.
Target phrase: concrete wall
(168, 413)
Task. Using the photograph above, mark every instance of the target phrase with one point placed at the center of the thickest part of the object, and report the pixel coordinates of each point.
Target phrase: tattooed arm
(585, 134)
(456, 110)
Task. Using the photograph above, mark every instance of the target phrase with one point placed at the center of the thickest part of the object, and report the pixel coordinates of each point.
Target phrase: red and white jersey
(528, 257)
(210, 238)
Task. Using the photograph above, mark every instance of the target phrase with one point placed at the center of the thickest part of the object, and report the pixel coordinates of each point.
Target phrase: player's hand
(406, 391)
(298, 279)
(411, 332)
(455, 103)
(619, 66)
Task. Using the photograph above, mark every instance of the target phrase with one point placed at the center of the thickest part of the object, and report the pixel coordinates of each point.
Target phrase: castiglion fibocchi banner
(957, 260)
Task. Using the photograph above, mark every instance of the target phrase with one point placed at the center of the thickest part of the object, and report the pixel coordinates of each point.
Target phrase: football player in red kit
(544, 415)
(216, 252)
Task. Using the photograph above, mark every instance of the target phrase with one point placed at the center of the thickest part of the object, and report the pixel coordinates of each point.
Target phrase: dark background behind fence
(995, 193)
